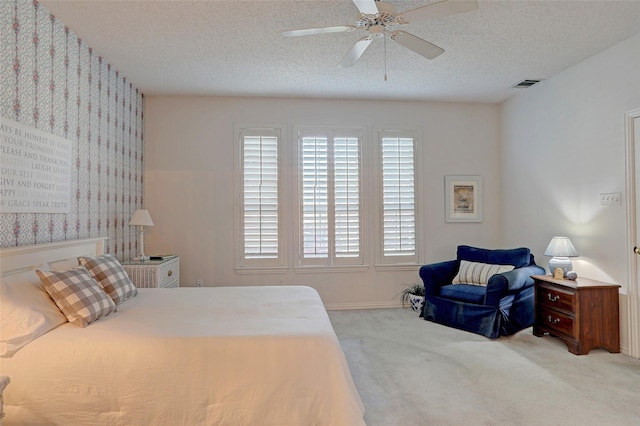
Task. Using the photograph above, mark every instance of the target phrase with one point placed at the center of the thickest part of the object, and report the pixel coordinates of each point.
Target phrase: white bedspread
(189, 356)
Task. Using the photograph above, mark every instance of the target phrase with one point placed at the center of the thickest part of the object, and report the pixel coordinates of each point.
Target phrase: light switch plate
(611, 199)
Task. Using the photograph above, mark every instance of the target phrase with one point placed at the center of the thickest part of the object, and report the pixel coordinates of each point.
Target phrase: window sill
(316, 269)
(398, 267)
(249, 270)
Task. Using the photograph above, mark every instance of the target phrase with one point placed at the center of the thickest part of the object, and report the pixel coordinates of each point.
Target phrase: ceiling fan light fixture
(386, 13)
(376, 31)
(386, 17)
(380, 17)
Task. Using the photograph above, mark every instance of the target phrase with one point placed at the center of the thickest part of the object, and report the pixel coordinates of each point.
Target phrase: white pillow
(63, 265)
(28, 312)
(476, 273)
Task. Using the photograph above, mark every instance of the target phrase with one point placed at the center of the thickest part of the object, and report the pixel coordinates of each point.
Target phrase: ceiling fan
(379, 18)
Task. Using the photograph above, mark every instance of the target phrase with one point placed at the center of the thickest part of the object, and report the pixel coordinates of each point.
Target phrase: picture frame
(463, 198)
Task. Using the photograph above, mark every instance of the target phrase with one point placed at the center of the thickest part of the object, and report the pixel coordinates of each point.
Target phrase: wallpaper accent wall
(51, 80)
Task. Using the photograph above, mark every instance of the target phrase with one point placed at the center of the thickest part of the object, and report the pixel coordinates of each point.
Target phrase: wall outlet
(199, 283)
(610, 199)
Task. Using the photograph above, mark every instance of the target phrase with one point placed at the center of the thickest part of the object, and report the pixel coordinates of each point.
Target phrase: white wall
(189, 182)
(563, 145)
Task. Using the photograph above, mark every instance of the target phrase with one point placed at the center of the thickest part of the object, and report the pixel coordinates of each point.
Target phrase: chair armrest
(521, 278)
(510, 282)
(437, 275)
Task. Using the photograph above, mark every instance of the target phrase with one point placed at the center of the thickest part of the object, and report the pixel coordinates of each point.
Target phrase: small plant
(412, 289)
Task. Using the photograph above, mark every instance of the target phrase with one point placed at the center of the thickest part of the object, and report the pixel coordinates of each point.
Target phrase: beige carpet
(413, 372)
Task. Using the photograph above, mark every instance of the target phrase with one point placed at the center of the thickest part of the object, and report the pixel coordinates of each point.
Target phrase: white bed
(182, 356)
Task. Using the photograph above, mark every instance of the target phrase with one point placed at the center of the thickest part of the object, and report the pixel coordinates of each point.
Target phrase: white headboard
(24, 258)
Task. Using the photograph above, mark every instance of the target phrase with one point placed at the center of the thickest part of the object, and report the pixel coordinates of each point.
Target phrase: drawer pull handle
(169, 273)
(553, 321)
(554, 298)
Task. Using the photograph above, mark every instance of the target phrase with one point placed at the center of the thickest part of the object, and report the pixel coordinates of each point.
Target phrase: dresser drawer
(169, 274)
(556, 321)
(548, 296)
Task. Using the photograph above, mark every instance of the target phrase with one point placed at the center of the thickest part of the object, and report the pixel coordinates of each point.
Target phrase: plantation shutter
(260, 192)
(315, 197)
(398, 194)
(330, 197)
(347, 196)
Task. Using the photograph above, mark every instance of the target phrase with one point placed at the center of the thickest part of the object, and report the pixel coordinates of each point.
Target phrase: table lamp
(141, 218)
(560, 249)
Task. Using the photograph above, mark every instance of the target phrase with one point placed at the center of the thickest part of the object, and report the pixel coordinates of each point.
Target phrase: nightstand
(583, 313)
(154, 273)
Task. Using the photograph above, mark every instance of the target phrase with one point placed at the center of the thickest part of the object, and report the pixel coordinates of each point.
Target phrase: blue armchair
(488, 292)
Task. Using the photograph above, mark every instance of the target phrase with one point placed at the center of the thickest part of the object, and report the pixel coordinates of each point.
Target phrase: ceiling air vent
(524, 84)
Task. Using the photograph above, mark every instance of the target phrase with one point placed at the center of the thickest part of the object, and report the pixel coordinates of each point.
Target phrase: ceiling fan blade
(366, 7)
(436, 10)
(356, 51)
(418, 45)
(322, 30)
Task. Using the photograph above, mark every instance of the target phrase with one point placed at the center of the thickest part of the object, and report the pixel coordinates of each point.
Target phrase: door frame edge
(633, 288)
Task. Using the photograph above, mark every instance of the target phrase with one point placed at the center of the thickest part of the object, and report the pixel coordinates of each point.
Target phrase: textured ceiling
(235, 48)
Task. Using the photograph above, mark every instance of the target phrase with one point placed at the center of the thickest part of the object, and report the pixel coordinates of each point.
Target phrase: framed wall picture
(463, 198)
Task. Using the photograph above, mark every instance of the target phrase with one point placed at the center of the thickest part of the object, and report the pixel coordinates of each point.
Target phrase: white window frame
(331, 261)
(400, 261)
(247, 264)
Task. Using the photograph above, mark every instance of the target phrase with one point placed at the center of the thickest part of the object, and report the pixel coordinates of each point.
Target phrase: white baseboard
(364, 305)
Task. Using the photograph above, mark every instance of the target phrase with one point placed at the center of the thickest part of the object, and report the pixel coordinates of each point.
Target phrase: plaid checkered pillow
(111, 275)
(78, 296)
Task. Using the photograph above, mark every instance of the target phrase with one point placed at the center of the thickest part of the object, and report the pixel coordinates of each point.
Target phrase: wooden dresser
(583, 313)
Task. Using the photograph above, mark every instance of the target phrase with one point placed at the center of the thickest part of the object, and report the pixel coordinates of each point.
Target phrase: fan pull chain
(385, 57)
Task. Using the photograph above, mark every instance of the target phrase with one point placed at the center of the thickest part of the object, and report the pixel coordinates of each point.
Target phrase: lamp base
(142, 257)
(563, 263)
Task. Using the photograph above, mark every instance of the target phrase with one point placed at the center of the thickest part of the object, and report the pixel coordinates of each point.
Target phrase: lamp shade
(141, 218)
(561, 247)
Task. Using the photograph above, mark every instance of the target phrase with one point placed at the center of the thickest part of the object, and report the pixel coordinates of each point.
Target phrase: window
(398, 178)
(304, 198)
(259, 212)
(330, 197)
